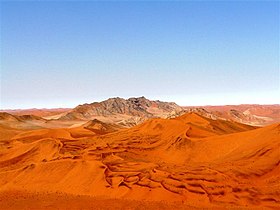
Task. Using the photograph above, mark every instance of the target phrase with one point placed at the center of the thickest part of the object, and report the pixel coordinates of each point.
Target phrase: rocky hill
(132, 110)
(253, 114)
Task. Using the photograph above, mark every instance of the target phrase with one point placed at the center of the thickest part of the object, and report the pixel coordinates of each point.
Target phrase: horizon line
(72, 107)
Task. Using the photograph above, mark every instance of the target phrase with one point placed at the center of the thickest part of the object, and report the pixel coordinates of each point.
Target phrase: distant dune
(191, 158)
(37, 112)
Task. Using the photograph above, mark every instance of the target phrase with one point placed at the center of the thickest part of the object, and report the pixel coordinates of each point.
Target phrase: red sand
(190, 160)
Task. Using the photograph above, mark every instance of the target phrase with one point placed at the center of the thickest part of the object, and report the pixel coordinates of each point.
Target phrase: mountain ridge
(132, 110)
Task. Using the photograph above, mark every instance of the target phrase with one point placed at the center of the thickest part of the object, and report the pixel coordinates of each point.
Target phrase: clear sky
(64, 53)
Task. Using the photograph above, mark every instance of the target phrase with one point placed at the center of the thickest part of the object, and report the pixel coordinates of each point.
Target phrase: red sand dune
(190, 160)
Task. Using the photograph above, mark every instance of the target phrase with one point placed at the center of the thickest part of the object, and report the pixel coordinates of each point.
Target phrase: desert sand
(186, 162)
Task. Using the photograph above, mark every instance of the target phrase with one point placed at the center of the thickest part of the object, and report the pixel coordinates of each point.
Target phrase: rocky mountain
(253, 114)
(131, 111)
(201, 111)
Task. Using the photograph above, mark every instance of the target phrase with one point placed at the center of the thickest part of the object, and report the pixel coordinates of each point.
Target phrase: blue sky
(64, 53)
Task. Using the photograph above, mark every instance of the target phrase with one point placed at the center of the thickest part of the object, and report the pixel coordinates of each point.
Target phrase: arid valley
(140, 154)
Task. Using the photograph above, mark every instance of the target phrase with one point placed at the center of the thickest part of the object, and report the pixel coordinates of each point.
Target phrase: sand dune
(37, 112)
(192, 160)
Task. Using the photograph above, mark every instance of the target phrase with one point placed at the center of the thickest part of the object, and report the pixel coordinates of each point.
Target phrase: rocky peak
(134, 107)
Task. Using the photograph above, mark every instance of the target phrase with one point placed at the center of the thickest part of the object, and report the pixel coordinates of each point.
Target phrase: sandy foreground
(51, 201)
(190, 162)
(27, 200)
